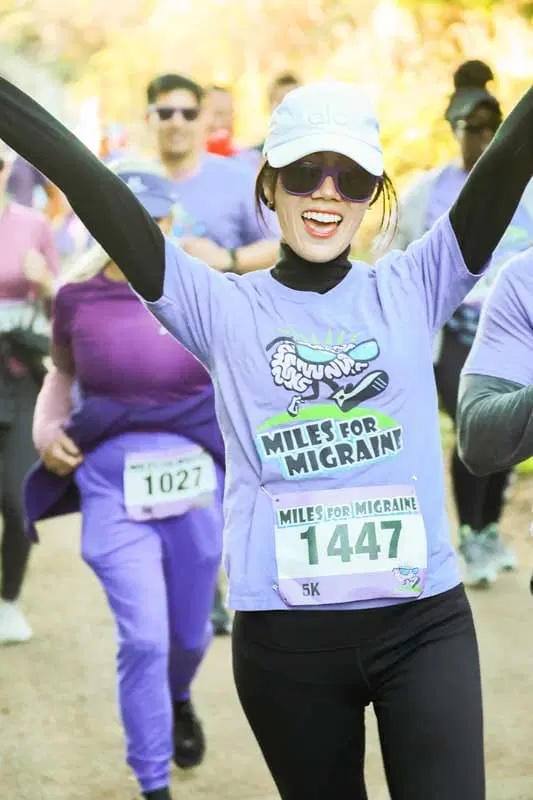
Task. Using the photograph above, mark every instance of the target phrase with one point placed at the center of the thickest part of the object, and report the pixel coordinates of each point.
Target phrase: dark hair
(470, 81)
(268, 176)
(472, 75)
(284, 79)
(169, 83)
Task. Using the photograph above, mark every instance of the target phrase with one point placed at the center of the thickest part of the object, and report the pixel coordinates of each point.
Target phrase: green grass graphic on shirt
(327, 411)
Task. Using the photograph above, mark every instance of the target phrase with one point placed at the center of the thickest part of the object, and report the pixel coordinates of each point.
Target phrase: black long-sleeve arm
(493, 190)
(103, 202)
(494, 423)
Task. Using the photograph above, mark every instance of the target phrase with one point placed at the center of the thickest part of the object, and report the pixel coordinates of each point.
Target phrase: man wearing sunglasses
(215, 216)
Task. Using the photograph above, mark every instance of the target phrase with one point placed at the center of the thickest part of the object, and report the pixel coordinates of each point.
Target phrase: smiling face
(177, 137)
(320, 226)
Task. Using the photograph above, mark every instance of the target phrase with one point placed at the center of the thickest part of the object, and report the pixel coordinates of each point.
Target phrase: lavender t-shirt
(102, 334)
(444, 192)
(217, 202)
(516, 238)
(254, 336)
(504, 339)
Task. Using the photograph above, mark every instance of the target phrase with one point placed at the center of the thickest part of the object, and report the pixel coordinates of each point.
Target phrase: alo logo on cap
(328, 116)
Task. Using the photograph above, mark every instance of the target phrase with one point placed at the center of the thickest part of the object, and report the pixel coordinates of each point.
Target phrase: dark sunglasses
(165, 113)
(475, 130)
(353, 183)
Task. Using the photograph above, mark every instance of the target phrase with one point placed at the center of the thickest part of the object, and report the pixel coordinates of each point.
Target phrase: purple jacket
(97, 419)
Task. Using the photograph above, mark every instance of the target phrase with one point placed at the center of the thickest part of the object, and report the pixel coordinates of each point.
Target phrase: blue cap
(156, 193)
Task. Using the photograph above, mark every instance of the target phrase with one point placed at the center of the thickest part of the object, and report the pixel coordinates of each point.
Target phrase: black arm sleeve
(494, 423)
(493, 190)
(102, 201)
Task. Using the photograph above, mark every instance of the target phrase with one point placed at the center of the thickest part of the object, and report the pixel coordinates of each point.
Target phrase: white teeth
(321, 216)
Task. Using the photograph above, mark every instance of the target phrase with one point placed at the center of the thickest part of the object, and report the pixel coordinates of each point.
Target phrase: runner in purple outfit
(150, 501)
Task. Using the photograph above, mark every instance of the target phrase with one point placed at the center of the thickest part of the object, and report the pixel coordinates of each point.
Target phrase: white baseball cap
(325, 116)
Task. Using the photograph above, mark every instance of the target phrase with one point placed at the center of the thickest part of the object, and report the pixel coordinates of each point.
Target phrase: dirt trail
(59, 733)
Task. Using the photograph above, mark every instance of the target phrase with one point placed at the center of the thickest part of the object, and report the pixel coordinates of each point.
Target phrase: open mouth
(321, 224)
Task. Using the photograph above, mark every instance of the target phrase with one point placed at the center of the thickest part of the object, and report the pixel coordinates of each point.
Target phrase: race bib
(340, 546)
(168, 483)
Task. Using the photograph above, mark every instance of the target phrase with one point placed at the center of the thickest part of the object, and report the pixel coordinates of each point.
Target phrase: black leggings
(17, 454)
(304, 679)
(479, 501)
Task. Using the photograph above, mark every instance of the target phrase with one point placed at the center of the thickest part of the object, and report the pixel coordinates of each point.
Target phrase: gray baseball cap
(466, 100)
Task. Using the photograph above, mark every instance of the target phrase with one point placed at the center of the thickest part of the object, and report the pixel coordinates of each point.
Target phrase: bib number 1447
(370, 541)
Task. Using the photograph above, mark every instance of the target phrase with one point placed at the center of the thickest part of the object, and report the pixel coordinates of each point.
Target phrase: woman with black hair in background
(474, 115)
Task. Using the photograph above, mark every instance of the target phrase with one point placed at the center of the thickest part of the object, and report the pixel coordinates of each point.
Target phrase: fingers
(62, 457)
(68, 445)
(61, 466)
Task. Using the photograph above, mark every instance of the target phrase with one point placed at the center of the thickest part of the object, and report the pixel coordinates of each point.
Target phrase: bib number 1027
(367, 543)
(182, 480)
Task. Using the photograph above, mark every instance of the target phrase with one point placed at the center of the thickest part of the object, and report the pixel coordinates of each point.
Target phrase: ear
(269, 195)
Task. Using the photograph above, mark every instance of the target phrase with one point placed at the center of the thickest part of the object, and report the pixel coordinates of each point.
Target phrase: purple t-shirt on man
(328, 409)
(217, 202)
(504, 339)
(103, 335)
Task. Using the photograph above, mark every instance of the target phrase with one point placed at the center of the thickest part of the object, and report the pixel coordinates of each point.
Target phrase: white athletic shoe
(14, 627)
(503, 558)
(479, 568)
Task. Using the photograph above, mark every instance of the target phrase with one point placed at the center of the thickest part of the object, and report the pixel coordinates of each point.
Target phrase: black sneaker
(189, 739)
(158, 794)
(222, 628)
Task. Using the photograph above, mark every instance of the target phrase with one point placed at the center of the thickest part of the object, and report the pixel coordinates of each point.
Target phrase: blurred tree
(524, 7)
(403, 51)
(67, 32)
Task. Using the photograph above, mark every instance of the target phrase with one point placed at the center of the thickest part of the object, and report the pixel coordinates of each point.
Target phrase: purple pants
(159, 578)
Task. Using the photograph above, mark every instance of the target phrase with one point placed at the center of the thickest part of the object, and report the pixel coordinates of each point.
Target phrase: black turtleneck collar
(297, 273)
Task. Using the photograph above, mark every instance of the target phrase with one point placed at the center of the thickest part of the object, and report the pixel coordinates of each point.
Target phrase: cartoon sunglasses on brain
(408, 577)
(301, 367)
